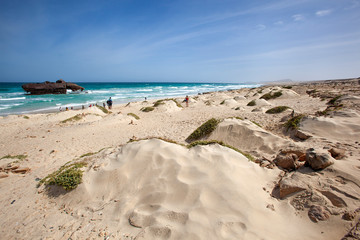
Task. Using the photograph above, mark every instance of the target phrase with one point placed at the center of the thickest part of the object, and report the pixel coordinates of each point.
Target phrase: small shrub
(20, 157)
(271, 95)
(252, 103)
(103, 109)
(196, 143)
(208, 103)
(69, 176)
(26, 117)
(77, 117)
(203, 130)
(278, 109)
(333, 100)
(287, 87)
(134, 115)
(222, 102)
(147, 109)
(260, 91)
(257, 124)
(294, 122)
(238, 108)
(158, 103)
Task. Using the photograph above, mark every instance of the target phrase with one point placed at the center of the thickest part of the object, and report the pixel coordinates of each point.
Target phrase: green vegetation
(287, 87)
(257, 124)
(271, 95)
(196, 143)
(77, 117)
(238, 118)
(252, 103)
(177, 103)
(19, 157)
(294, 122)
(260, 91)
(147, 109)
(134, 115)
(333, 100)
(69, 176)
(222, 102)
(238, 108)
(103, 109)
(26, 117)
(158, 103)
(91, 153)
(203, 130)
(278, 109)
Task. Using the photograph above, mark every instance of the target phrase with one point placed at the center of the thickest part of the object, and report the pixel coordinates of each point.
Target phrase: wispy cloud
(322, 13)
(260, 27)
(298, 17)
(279, 23)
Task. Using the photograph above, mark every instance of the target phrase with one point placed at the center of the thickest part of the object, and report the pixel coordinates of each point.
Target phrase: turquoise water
(14, 100)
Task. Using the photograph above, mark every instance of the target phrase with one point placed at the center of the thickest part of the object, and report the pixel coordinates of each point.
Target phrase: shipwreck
(58, 87)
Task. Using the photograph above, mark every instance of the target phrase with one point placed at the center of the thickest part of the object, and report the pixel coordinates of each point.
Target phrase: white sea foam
(12, 99)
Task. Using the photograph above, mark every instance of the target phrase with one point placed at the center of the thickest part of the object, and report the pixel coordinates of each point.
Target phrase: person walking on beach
(186, 100)
(109, 103)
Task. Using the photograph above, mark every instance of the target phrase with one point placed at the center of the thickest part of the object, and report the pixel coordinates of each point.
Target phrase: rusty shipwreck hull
(58, 87)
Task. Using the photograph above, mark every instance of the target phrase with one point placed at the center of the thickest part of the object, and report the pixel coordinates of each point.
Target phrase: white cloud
(260, 27)
(279, 23)
(298, 17)
(322, 13)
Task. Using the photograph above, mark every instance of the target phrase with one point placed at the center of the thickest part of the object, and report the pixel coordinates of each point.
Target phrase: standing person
(109, 103)
(187, 100)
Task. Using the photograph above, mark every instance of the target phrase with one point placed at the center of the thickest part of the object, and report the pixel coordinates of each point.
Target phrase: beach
(256, 175)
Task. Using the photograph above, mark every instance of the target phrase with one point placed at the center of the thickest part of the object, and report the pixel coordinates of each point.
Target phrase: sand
(159, 189)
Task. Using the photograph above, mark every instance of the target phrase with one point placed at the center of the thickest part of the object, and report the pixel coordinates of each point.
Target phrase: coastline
(133, 187)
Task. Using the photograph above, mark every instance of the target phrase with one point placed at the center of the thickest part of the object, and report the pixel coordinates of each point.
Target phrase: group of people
(109, 103)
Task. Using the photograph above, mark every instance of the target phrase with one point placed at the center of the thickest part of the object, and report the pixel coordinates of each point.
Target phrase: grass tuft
(77, 117)
(257, 124)
(147, 109)
(294, 122)
(134, 115)
(26, 117)
(158, 103)
(333, 100)
(19, 157)
(69, 176)
(203, 130)
(103, 109)
(278, 109)
(271, 95)
(251, 103)
(202, 143)
(287, 87)
(222, 102)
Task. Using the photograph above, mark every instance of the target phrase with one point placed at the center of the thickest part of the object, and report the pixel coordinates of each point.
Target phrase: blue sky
(182, 41)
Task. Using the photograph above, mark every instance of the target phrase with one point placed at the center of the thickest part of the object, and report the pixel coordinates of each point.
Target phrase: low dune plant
(69, 176)
(271, 95)
(334, 100)
(134, 115)
(147, 109)
(205, 129)
(196, 143)
(158, 103)
(26, 117)
(103, 109)
(77, 117)
(222, 102)
(287, 87)
(19, 157)
(278, 109)
(294, 122)
(252, 103)
(257, 124)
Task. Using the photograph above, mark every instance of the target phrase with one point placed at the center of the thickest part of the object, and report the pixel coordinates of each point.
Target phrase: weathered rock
(335, 200)
(292, 183)
(301, 135)
(21, 170)
(349, 216)
(318, 159)
(337, 153)
(59, 87)
(318, 213)
(289, 159)
(3, 175)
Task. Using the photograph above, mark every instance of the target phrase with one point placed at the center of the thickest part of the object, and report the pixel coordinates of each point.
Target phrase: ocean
(14, 100)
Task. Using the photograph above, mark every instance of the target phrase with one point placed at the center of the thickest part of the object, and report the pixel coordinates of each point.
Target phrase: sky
(232, 41)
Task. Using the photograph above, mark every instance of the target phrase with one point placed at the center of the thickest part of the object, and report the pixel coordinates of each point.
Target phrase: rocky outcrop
(293, 183)
(318, 213)
(290, 159)
(318, 159)
(59, 87)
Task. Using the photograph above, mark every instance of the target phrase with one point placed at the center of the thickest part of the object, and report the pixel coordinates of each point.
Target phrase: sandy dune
(154, 189)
